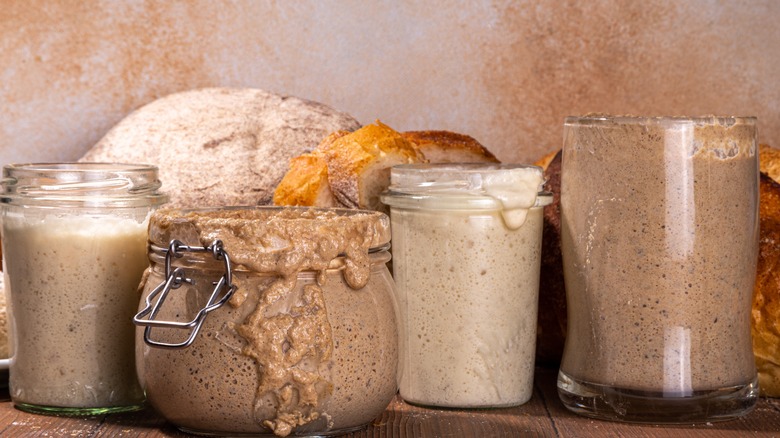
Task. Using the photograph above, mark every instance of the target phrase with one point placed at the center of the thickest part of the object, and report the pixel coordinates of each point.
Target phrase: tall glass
(74, 239)
(660, 237)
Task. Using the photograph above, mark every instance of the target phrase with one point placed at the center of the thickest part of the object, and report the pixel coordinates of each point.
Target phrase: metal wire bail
(174, 278)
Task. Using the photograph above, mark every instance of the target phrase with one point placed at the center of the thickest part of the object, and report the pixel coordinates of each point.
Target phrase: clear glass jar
(74, 250)
(659, 220)
(303, 345)
(466, 258)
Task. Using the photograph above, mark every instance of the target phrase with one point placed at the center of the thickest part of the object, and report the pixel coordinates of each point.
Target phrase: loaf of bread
(449, 147)
(765, 323)
(4, 339)
(551, 318)
(765, 316)
(220, 146)
(306, 183)
(357, 165)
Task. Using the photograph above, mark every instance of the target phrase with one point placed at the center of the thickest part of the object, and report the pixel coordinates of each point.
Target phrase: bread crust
(220, 146)
(765, 314)
(306, 182)
(363, 158)
(449, 147)
(358, 164)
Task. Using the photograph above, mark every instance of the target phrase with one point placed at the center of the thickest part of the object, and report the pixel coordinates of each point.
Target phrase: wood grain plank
(763, 421)
(542, 416)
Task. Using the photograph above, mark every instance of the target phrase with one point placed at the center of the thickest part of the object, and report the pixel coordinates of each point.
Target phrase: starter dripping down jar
(74, 251)
(295, 320)
(466, 248)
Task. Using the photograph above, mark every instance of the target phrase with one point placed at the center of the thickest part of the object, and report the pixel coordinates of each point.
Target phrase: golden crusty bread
(449, 147)
(545, 161)
(765, 316)
(306, 183)
(357, 165)
(769, 159)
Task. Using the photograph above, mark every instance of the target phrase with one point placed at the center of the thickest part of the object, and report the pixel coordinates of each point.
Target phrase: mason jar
(74, 250)
(263, 320)
(659, 219)
(466, 259)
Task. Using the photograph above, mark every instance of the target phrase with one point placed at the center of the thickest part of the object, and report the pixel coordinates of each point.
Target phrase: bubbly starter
(73, 285)
(468, 280)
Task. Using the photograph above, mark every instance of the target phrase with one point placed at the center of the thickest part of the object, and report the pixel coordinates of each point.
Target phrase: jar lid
(81, 184)
(278, 240)
(510, 188)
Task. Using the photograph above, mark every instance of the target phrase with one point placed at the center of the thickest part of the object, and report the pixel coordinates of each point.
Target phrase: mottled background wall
(506, 72)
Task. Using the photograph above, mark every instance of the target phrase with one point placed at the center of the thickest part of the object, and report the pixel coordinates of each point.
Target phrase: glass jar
(74, 250)
(659, 220)
(295, 320)
(466, 247)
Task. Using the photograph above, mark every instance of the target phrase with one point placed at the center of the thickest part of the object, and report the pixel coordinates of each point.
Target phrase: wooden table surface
(542, 416)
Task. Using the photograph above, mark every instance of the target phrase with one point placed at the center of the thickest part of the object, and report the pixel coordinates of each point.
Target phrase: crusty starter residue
(291, 343)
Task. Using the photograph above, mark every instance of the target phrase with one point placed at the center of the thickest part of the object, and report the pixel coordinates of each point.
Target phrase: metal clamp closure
(174, 278)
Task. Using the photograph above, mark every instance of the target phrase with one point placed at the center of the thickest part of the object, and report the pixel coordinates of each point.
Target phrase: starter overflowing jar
(466, 245)
(268, 320)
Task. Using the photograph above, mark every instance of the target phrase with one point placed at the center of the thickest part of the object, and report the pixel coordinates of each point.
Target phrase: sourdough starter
(659, 242)
(307, 344)
(73, 287)
(466, 267)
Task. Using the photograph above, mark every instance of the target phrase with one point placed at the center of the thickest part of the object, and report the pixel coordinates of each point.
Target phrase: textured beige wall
(505, 72)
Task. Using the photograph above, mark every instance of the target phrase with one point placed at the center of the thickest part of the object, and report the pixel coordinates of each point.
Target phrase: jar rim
(466, 186)
(607, 119)
(182, 218)
(75, 166)
(379, 255)
(82, 184)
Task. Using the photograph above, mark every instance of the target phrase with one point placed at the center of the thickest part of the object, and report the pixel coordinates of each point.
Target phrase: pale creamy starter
(466, 248)
(308, 343)
(73, 291)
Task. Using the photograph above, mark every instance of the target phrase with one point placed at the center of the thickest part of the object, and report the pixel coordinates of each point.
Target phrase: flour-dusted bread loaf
(358, 164)
(220, 146)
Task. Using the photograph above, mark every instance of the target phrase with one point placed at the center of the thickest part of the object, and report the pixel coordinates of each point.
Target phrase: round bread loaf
(220, 146)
